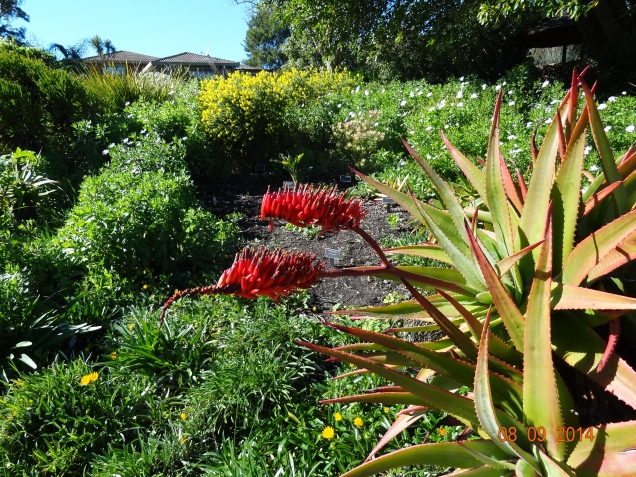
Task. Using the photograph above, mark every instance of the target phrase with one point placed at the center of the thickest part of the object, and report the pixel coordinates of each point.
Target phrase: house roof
(248, 67)
(121, 56)
(554, 32)
(193, 59)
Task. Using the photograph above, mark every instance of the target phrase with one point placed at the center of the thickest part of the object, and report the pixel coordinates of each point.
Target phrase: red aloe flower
(260, 272)
(303, 206)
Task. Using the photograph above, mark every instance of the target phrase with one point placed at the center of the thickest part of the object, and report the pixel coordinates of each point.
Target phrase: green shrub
(53, 424)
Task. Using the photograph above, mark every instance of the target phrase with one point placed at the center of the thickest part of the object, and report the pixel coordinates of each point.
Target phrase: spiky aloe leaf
(566, 194)
(523, 469)
(567, 297)
(590, 251)
(582, 348)
(610, 170)
(445, 192)
(431, 251)
(622, 255)
(445, 454)
(510, 187)
(380, 398)
(538, 199)
(489, 461)
(485, 408)
(495, 193)
(398, 426)
(457, 406)
(507, 263)
(506, 307)
(599, 197)
(610, 453)
(507, 393)
(474, 175)
(540, 398)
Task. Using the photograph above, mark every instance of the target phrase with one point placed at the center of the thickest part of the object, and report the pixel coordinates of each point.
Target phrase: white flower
(461, 79)
(594, 168)
(383, 90)
(441, 104)
(105, 151)
(428, 156)
(402, 162)
(548, 121)
(587, 150)
(498, 87)
(630, 129)
(512, 137)
(511, 103)
(171, 92)
(511, 92)
(376, 123)
(352, 114)
(403, 103)
(483, 86)
(143, 131)
(545, 83)
(184, 138)
(446, 126)
(339, 105)
(429, 94)
(473, 96)
(460, 104)
(358, 88)
(126, 141)
(607, 128)
(411, 94)
(428, 128)
(529, 124)
(111, 145)
(554, 101)
(602, 106)
(366, 92)
(624, 93)
(419, 93)
(611, 99)
(431, 109)
(127, 103)
(503, 84)
(460, 94)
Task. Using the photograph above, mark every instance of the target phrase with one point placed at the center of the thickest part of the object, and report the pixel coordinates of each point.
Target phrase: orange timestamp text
(538, 434)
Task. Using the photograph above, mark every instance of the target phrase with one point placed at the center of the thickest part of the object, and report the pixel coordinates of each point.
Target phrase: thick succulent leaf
(506, 307)
(566, 194)
(391, 359)
(485, 408)
(567, 297)
(510, 187)
(483, 471)
(431, 251)
(582, 348)
(474, 175)
(399, 425)
(538, 200)
(523, 469)
(552, 468)
(610, 170)
(445, 454)
(611, 453)
(507, 263)
(412, 309)
(464, 264)
(489, 461)
(591, 250)
(445, 192)
(591, 203)
(497, 347)
(495, 193)
(622, 255)
(483, 215)
(506, 392)
(393, 398)
(540, 398)
(457, 406)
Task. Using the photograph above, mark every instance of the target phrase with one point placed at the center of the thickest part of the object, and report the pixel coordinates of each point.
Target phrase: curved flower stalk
(304, 205)
(260, 272)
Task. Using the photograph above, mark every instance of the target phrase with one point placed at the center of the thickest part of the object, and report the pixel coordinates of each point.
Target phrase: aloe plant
(535, 271)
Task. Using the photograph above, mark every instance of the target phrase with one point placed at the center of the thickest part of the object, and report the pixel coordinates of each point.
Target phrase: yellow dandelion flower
(387, 410)
(184, 416)
(113, 355)
(358, 422)
(328, 433)
(89, 378)
(337, 417)
(131, 326)
(145, 287)
(314, 308)
(176, 290)
(441, 431)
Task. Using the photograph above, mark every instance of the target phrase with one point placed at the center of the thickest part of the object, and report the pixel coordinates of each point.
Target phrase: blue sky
(152, 27)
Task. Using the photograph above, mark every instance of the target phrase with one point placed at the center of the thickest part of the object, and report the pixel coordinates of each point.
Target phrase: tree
(9, 11)
(98, 44)
(265, 37)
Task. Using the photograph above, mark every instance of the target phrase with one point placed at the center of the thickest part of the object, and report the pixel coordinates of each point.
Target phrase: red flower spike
(260, 272)
(304, 205)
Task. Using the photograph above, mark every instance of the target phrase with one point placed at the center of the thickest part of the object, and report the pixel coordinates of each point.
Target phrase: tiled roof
(122, 55)
(194, 59)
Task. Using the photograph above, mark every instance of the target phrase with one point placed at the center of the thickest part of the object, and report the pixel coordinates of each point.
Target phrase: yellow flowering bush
(244, 113)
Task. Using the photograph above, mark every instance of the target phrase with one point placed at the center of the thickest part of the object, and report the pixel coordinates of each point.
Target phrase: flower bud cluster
(271, 273)
(304, 205)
